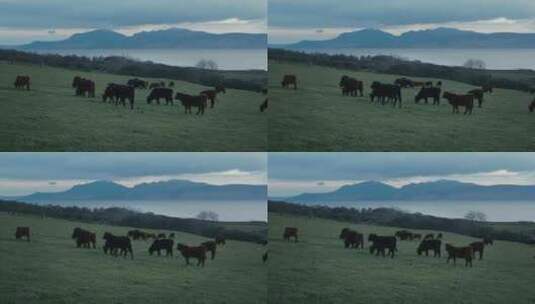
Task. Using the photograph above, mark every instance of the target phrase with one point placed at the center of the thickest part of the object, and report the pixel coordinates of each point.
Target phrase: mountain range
(435, 38)
(156, 191)
(175, 38)
(443, 190)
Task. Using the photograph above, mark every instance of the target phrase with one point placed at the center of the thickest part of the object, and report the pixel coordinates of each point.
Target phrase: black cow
(119, 94)
(210, 246)
(429, 92)
(386, 93)
(22, 82)
(404, 82)
(478, 95)
(380, 243)
(115, 243)
(84, 238)
(352, 239)
(158, 93)
(84, 87)
(264, 105)
(351, 86)
(23, 232)
(188, 101)
(162, 244)
(427, 245)
(288, 80)
(137, 83)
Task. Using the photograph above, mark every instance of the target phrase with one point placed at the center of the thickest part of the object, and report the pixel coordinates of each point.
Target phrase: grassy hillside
(316, 117)
(319, 270)
(51, 118)
(50, 269)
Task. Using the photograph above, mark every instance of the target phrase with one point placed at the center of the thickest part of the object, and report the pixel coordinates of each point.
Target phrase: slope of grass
(318, 269)
(316, 117)
(50, 269)
(51, 118)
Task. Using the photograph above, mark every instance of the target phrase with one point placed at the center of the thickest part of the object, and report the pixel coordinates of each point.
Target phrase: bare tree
(207, 64)
(475, 64)
(476, 216)
(208, 216)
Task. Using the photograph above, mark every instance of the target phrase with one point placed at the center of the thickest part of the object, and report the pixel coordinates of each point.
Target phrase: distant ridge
(168, 190)
(435, 38)
(175, 38)
(443, 190)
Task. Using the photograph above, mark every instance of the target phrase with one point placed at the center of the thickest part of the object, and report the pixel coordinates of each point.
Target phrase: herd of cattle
(122, 245)
(385, 93)
(387, 245)
(120, 94)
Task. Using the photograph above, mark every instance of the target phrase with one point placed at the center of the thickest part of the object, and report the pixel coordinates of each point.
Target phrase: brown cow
(220, 240)
(23, 231)
(478, 247)
(465, 253)
(84, 87)
(212, 94)
(22, 81)
(290, 232)
(84, 238)
(288, 80)
(457, 101)
(352, 239)
(210, 246)
(478, 95)
(193, 252)
(351, 86)
(189, 101)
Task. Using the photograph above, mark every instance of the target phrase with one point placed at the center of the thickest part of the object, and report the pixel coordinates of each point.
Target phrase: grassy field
(316, 117)
(51, 118)
(50, 269)
(319, 270)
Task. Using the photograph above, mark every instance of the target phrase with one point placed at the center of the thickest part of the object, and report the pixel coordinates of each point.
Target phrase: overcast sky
(29, 20)
(295, 173)
(294, 20)
(25, 173)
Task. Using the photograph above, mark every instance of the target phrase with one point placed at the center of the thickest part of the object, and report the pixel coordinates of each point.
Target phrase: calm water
(227, 210)
(226, 59)
(499, 59)
(495, 211)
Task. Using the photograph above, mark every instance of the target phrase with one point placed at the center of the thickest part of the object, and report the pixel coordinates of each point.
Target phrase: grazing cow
(265, 257)
(220, 240)
(465, 253)
(386, 93)
(457, 101)
(404, 82)
(158, 93)
(429, 236)
(380, 243)
(478, 95)
(210, 246)
(478, 247)
(137, 235)
(427, 245)
(119, 94)
(487, 88)
(290, 232)
(193, 252)
(352, 239)
(428, 92)
(137, 83)
(288, 80)
(404, 235)
(115, 243)
(23, 231)
(351, 86)
(488, 241)
(22, 82)
(84, 238)
(188, 101)
(84, 87)
(264, 105)
(162, 244)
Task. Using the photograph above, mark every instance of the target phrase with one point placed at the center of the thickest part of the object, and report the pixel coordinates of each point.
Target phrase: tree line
(254, 80)
(125, 217)
(397, 218)
(399, 66)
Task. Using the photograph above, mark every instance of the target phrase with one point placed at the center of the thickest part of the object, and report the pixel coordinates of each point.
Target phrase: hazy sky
(24, 173)
(294, 173)
(294, 20)
(23, 21)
